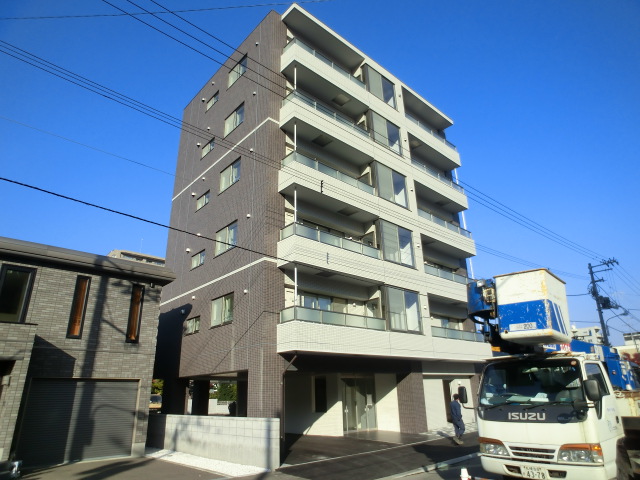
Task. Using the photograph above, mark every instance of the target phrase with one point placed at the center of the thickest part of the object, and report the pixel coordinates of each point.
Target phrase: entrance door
(359, 404)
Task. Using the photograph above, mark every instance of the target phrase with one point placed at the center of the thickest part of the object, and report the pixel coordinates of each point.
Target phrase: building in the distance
(588, 334)
(324, 270)
(77, 342)
(136, 257)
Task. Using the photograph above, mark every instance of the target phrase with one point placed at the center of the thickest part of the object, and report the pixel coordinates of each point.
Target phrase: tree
(157, 384)
(226, 391)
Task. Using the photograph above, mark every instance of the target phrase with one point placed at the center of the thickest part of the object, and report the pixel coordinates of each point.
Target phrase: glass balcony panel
(366, 188)
(356, 321)
(309, 315)
(370, 251)
(329, 239)
(431, 131)
(431, 270)
(287, 231)
(453, 228)
(328, 170)
(374, 323)
(460, 279)
(306, 232)
(333, 318)
(347, 179)
(304, 160)
(439, 221)
(288, 314)
(351, 245)
(446, 274)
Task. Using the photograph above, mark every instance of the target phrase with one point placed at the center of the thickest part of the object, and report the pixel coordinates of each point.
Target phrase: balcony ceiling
(315, 84)
(425, 111)
(440, 200)
(336, 277)
(316, 34)
(429, 243)
(420, 148)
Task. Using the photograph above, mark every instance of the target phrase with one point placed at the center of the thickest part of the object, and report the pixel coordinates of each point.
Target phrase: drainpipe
(295, 286)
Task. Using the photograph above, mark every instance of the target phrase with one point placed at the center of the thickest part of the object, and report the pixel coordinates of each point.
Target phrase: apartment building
(320, 252)
(77, 342)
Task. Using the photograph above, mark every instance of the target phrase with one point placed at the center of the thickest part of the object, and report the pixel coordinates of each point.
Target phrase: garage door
(71, 420)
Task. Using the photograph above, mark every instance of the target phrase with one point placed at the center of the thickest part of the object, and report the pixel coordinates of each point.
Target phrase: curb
(432, 467)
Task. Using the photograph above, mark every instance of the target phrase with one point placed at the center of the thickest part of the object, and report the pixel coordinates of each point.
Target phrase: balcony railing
(446, 274)
(430, 130)
(457, 334)
(321, 167)
(331, 318)
(435, 173)
(325, 60)
(444, 223)
(312, 103)
(328, 239)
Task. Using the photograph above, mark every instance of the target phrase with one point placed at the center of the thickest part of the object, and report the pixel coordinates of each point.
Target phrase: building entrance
(358, 402)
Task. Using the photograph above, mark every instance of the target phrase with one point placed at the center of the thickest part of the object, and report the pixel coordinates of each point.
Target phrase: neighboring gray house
(77, 342)
(319, 249)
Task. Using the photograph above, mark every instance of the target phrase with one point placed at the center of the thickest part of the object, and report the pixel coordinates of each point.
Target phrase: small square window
(213, 100)
(230, 175)
(226, 238)
(15, 291)
(197, 259)
(234, 120)
(236, 72)
(222, 310)
(208, 147)
(192, 326)
(78, 307)
(202, 200)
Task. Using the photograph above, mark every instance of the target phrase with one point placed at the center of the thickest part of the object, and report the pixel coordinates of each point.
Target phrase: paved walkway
(362, 456)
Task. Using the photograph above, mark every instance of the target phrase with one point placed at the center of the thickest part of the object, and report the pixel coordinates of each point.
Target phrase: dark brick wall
(413, 416)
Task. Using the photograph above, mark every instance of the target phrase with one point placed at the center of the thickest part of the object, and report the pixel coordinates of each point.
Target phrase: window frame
(26, 294)
(225, 319)
(206, 198)
(132, 335)
(190, 324)
(79, 306)
(213, 100)
(401, 324)
(230, 127)
(226, 243)
(208, 148)
(398, 255)
(235, 166)
(238, 70)
(198, 259)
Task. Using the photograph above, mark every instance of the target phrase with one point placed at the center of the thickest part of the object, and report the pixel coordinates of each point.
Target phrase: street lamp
(606, 323)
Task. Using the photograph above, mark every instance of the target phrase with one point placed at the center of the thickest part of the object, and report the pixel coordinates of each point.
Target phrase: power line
(230, 7)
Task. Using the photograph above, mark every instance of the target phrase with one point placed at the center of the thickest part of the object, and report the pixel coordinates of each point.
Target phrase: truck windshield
(531, 382)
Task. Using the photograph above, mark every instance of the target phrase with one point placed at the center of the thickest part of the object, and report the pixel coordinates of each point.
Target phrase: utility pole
(601, 302)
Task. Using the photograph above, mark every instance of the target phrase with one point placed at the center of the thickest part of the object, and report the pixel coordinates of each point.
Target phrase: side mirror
(592, 389)
(462, 392)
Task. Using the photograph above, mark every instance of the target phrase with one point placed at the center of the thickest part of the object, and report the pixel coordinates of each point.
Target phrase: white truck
(558, 409)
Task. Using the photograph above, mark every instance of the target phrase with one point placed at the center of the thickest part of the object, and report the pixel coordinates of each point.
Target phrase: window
(213, 100)
(230, 175)
(78, 307)
(233, 120)
(403, 310)
(226, 238)
(135, 314)
(222, 310)
(319, 394)
(318, 302)
(391, 185)
(197, 259)
(192, 325)
(385, 132)
(236, 72)
(208, 147)
(381, 87)
(396, 244)
(202, 200)
(15, 291)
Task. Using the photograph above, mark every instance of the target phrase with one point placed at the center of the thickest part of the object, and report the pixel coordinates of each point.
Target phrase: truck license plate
(533, 472)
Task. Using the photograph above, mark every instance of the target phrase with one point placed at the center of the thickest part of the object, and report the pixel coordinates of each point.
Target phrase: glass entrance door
(358, 402)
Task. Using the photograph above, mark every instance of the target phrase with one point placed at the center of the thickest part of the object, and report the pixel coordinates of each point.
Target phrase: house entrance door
(358, 402)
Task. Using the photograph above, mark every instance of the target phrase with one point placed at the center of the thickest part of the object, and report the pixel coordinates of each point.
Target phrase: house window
(319, 394)
(391, 185)
(385, 132)
(403, 310)
(202, 200)
(226, 238)
(222, 310)
(318, 302)
(213, 100)
(396, 244)
(192, 325)
(197, 259)
(15, 291)
(236, 72)
(233, 120)
(78, 307)
(208, 147)
(381, 87)
(135, 314)
(230, 175)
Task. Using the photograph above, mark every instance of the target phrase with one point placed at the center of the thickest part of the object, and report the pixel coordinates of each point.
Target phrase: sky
(544, 95)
